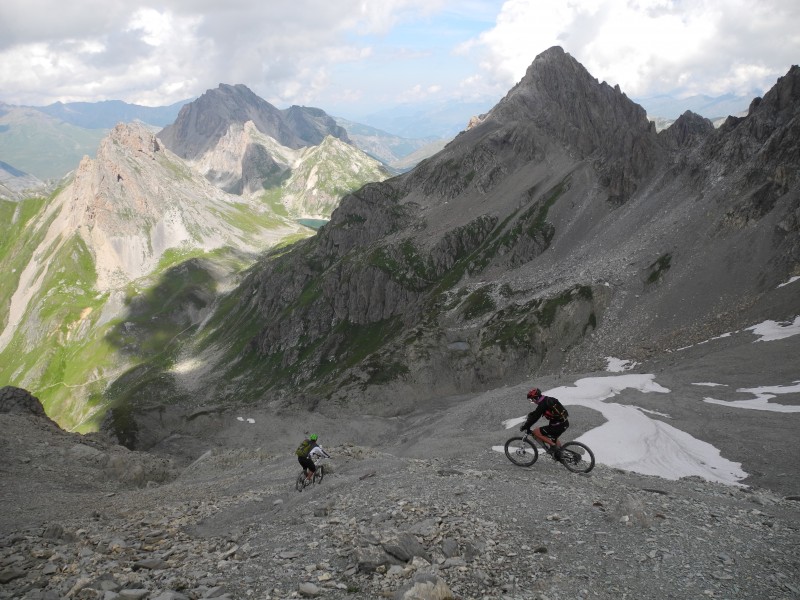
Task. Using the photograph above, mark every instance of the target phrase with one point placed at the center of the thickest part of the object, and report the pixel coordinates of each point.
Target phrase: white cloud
(649, 47)
(172, 50)
(313, 52)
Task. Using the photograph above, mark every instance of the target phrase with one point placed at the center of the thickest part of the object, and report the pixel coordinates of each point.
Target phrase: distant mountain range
(440, 120)
(711, 107)
(47, 142)
(108, 113)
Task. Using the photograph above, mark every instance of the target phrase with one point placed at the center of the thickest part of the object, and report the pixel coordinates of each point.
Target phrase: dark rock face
(16, 400)
(555, 230)
(592, 119)
(686, 131)
(311, 125)
(201, 124)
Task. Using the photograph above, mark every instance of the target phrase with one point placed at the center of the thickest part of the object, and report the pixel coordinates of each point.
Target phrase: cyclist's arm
(533, 417)
(318, 450)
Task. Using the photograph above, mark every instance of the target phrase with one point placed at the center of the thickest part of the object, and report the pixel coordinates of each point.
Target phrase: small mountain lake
(312, 223)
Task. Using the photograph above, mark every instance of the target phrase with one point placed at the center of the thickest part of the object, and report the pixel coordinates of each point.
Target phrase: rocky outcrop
(16, 400)
(48, 460)
(689, 129)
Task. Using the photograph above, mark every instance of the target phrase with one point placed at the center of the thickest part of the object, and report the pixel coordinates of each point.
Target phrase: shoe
(556, 453)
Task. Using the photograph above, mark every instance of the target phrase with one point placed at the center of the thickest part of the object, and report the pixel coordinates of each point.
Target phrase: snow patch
(632, 441)
(770, 331)
(763, 395)
(618, 365)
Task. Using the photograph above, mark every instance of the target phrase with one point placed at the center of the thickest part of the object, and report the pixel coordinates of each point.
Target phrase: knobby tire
(577, 457)
(522, 452)
(319, 474)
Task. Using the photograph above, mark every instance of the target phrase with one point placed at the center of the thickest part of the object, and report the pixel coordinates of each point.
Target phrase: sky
(353, 57)
(630, 439)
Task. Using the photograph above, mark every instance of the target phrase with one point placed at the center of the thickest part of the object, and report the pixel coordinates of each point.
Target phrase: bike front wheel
(577, 457)
(319, 474)
(521, 451)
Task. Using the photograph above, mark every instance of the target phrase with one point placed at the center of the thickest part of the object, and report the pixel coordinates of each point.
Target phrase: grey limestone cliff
(560, 229)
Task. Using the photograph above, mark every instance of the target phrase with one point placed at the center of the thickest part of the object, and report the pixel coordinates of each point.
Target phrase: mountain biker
(305, 453)
(552, 410)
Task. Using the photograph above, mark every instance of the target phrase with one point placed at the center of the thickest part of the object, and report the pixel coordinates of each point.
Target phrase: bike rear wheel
(577, 457)
(300, 484)
(319, 474)
(521, 451)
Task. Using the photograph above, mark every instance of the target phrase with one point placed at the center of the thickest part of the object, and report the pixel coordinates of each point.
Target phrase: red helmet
(535, 395)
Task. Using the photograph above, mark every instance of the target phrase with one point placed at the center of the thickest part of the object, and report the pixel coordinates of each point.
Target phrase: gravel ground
(417, 506)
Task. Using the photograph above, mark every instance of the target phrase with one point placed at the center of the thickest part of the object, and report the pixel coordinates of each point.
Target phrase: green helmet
(313, 437)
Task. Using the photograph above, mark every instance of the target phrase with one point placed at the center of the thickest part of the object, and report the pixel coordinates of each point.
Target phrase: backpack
(556, 411)
(304, 448)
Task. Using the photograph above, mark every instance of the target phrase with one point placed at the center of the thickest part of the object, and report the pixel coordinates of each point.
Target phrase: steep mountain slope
(246, 146)
(406, 502)
(116, 266)
(16, 184)
(202, 123)
(559, 230)
(304, 182)
(129, 257)
(323, 174)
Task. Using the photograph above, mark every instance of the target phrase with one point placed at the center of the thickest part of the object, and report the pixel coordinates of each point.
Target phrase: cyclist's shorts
(307, 463)
(554, 429)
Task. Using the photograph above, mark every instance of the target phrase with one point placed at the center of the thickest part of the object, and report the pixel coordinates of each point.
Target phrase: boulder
(19, 401)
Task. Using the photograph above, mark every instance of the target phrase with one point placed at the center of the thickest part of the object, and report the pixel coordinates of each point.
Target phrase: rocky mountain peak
(202, 123)
(760, 152)
(563, 201)
(594, 120)
(686, 130)
(133, 136)
(783, 97)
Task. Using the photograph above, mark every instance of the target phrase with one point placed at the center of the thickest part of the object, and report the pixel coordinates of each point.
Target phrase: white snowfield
(632, 441)
(772, 330)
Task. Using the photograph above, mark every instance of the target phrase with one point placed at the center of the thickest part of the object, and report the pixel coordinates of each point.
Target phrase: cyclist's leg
(552, 431)
(308, 466)
(542, 434)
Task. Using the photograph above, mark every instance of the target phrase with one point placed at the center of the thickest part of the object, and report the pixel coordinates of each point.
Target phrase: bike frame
(537, 441)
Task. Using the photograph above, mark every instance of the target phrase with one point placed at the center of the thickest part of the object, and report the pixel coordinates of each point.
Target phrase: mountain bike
(575, 456)
(303, 482)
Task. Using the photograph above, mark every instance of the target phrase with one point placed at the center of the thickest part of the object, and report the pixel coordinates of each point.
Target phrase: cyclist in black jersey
(552, 410)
